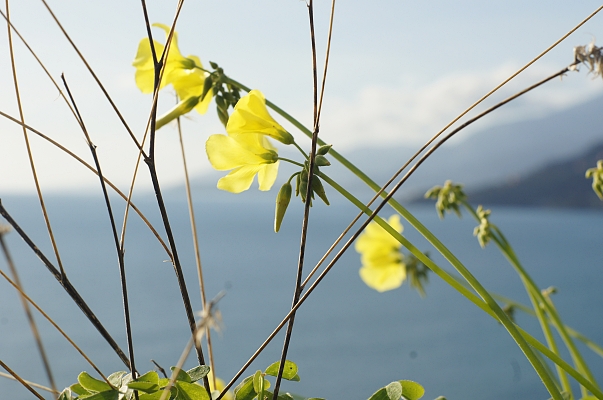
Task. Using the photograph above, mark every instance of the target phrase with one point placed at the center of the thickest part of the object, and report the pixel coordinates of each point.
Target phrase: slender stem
(191, 213)
(27, 145)
(21, 380)
(92, 169)
(305, 221)
(291, 161)
(64, 282)
(466, 274)
(17, 287)
(32, 322)
(540, 301)
(118, 248)
(150, 161)
(451, 280)
(32, 384)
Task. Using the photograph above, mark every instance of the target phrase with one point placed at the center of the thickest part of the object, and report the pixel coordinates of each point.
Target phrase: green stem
(291, 161)
(539, 301)
(489, 306)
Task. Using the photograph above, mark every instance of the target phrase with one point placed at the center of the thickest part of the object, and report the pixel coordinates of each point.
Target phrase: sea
(348, 340)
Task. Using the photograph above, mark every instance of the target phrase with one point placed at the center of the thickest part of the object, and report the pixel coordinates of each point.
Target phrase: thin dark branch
(64, 282)
(28, 314)
(306, 218)
(21, 380)
(326, 67)
(120, 252)
(150, 161)
(57, 327)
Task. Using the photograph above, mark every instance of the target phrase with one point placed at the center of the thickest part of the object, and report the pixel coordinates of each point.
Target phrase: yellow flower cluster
(185, 74)
(382, 265)
(245, 149)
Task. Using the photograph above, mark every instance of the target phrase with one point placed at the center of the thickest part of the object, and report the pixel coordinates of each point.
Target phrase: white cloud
(394, 115)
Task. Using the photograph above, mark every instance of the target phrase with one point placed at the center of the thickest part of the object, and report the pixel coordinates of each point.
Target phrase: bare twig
(32, 384)
(120, 252)
(27, 145)
(306, 218)
(62, 332)
(28, 314)
(150, 161)
(92, 169)
(71, 291)
(21, 380)
(191, 213)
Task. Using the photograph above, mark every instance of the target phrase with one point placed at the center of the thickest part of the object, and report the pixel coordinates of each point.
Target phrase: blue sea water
(348, 340)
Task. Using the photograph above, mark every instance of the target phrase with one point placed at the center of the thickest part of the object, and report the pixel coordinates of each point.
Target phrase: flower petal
(224, 153)
(250, 115)
(267, 175)
(383, 278)
(240, 179)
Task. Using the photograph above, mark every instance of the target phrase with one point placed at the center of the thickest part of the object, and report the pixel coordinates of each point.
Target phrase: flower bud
(323, 150)
(319, 189)
(321, 161)
(184, 107)
(282, 202)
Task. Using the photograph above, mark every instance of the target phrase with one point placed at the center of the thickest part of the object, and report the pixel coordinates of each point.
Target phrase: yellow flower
(250, 115)
(246, 154)
(184, 73)
(382, 266)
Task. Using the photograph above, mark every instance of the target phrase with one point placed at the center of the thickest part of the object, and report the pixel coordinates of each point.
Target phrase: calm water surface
(348, 340)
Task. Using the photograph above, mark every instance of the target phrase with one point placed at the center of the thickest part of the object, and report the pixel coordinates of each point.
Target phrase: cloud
(380, 115)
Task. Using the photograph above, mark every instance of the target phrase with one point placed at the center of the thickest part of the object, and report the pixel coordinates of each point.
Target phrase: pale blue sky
(399, 71)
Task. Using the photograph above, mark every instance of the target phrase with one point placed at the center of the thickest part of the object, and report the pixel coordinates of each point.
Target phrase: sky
(399, 71)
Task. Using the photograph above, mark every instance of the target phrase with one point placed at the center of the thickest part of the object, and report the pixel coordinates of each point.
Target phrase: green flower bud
(207, 83)
(319, 189)
(282, 202)
(323, 150)
(183, 107)
(322, 161)
(213, 65)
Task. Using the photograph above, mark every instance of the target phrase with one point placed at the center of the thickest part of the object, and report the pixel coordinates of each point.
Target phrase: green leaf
(151, 396)
(393, 391)
(182, 376)
(66, 394)
(199, 372)
(116, 378)
(92, 384)
(78, 389)
(412, 390)
(245, 390)
(147, 387)
(289, 372)
(281, 396)
(106, 395)
(190, 391)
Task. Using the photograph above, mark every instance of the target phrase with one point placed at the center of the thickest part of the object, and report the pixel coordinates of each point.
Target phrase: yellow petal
(239, 179)
(267, 175)
(145, 68)
(383, 278)
(250, 115)
(224, 153)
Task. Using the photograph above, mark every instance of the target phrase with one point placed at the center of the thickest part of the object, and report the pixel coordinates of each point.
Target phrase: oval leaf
(289, 372)
(191, 391)
(244, 390)
(393, 391)
(412, 390)
(182, 375)
(199, 372)
(92, 384)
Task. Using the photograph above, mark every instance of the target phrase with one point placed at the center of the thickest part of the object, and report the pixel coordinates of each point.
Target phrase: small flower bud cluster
(597, 176)
(484, 230)
(449, 197)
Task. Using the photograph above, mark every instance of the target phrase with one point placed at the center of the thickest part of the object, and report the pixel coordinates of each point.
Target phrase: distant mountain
(494, 154)
(559, 184)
